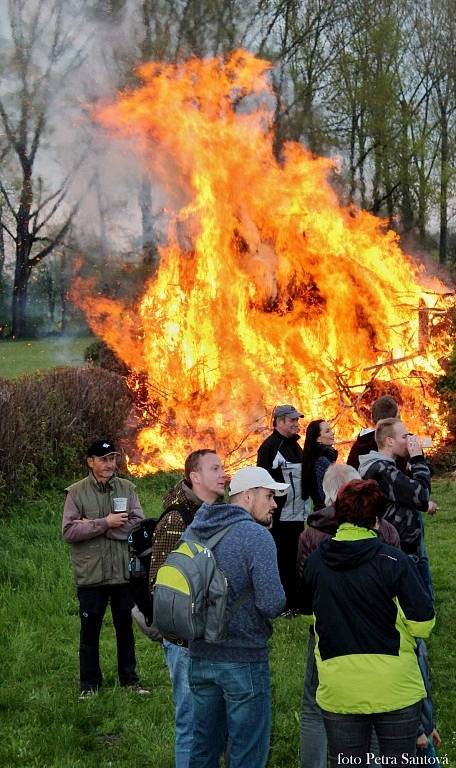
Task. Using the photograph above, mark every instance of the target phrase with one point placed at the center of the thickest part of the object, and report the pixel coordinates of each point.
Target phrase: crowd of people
(306, 534)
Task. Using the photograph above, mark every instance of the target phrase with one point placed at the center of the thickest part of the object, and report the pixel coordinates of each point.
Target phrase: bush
(445, 457)
(100, 355)
(47, 420)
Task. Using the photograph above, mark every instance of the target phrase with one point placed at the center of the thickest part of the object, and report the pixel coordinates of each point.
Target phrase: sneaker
(86, 694)
(137, 688)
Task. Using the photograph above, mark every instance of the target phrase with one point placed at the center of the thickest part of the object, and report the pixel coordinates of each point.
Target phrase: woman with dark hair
(369, 604)
(318, 454)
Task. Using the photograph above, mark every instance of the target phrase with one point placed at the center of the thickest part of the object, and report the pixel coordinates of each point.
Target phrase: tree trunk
(353, 125)
(361, 162)
(149, 246)
(2, 248)
(422, 207)
(23, 248)
(444, 152)
(406, 198)
(50, 291)
(21, 277)
(377, 177)
(388, 187)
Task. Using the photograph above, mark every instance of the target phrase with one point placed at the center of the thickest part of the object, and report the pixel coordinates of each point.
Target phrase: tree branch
(8, 231)
(55, 240)
(8, 201)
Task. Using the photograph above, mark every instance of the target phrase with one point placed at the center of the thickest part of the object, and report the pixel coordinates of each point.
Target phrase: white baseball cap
(255, 477)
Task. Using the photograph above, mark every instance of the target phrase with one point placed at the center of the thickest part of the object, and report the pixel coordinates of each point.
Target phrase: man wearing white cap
(230, 680)
(281, 455)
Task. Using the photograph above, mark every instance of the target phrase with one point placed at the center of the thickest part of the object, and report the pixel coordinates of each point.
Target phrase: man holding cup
(100, 510)
(407, 494)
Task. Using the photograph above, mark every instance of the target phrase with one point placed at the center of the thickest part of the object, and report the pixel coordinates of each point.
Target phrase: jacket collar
(101, 487)
(350, 532)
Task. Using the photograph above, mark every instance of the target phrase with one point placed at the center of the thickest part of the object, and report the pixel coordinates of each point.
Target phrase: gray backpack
(190, 593)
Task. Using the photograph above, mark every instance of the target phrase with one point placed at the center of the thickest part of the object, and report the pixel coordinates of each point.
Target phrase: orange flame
(269, 291)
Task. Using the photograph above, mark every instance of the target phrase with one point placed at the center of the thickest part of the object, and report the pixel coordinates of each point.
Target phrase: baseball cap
(101, 448)
(286, 410)
(255, 477)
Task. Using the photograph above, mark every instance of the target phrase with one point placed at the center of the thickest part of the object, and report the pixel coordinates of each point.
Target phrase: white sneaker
(88, 693)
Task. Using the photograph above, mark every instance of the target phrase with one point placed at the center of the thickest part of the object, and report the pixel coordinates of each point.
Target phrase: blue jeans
(423, 563)
(234, 699)
(349, 735)
(313, 733)
(177, 659)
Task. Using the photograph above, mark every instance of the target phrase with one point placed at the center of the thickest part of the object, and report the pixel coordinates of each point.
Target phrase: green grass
(19, 357)
(44, 724)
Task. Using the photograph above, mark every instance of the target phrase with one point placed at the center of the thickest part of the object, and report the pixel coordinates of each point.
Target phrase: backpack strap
(208, 543)
(186, 515)
(189, 537)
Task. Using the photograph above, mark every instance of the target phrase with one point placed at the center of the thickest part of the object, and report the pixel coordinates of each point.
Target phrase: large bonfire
(268, 290)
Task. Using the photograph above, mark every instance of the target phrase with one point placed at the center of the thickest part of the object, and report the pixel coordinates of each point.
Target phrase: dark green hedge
(47, 420)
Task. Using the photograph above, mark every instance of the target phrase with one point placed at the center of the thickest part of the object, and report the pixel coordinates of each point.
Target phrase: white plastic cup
(119, 504)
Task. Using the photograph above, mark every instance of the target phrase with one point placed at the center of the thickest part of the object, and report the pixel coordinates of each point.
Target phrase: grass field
(44, 724)
(18, 357)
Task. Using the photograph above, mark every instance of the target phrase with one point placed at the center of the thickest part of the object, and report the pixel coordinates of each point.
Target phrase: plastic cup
(119, 504)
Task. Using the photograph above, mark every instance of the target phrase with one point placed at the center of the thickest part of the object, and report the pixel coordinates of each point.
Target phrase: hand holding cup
(117, 519)
(414, 446)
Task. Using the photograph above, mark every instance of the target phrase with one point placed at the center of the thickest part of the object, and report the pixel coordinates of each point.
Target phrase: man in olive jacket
(99, 513)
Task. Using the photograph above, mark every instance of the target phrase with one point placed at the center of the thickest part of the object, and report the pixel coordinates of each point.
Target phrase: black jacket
(369, 603)
(364, 443)
(407, 495)
(291, 451)
(313, 474)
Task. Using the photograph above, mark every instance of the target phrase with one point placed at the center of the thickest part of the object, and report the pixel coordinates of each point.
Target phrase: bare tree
(41, 56)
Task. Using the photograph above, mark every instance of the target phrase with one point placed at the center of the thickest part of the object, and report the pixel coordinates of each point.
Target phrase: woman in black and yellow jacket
(369, 604)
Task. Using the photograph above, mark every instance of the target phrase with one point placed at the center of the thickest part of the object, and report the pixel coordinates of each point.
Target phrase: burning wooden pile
(268, 289)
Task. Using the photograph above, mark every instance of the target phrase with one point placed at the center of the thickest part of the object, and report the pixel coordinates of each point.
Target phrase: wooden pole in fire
(423, 327)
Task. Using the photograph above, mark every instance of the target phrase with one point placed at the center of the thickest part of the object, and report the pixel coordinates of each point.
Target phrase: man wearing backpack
(204, 481)
(230, 680)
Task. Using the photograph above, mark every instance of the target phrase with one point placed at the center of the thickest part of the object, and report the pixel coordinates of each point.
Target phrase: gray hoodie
(247, 556)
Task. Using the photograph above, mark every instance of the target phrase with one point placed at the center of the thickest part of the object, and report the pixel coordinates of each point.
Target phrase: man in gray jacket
(230, 680)
(100, 510)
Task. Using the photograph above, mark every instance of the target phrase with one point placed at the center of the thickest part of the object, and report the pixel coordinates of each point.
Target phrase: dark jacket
(364, 444)
(369, 605)
(321, 525)
(312, 477)
(272, 452)
(247, 556)
(407, 496)
(179, 507)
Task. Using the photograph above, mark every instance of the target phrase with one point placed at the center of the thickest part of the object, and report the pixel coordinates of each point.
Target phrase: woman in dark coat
(318, 455)
(369, 606)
